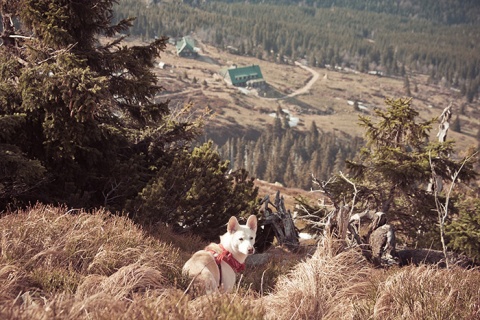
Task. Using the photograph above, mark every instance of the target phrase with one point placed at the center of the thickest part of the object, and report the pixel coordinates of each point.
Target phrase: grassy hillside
(327, 102)
(435, 38)
(56, 264)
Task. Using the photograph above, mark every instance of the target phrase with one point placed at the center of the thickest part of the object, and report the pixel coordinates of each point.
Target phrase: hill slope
(78, 265)
(395, 37)
(328, 101)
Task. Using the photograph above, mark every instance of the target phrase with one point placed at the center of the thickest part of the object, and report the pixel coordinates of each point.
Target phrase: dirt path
(308, 86)
(304, 89)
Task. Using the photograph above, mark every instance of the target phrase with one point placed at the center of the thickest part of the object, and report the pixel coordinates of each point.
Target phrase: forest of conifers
(395, 37)
(289, 156)
(392, 36)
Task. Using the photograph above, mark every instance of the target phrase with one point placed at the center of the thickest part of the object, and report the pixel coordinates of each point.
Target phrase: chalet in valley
(186, 48)
(250, 76)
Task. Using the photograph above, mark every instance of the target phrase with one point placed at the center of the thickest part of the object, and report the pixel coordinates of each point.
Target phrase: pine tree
(272, 171)
(394, 168)
(311, 139)
(463, 231)
(339, 163)
(315, 168)
(200, 199)
(260, 162)
(406, 86)
(91, 132)
(277, 127)
(240, 154)
(456, 124)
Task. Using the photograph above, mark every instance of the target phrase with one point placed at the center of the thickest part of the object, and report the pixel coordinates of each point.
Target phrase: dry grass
(429, 293)
(312, 289)
(341, 285)
(56, 264)
(50, 257)
(262, 277)
(325, 103)
(59, 265)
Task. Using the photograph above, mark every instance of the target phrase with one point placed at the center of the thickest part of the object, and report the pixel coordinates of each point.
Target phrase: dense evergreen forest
(438, 38)
(289, 156)
(442, 11)
(396, 38)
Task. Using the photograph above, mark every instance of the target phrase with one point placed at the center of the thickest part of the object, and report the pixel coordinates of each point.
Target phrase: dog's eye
(251, 238)
(241, 239)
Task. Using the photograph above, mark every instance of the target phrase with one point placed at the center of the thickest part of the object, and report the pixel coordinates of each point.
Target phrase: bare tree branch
(442, 208)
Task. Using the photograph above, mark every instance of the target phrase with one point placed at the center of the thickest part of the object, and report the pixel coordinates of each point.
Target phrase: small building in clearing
(250, 76)
(186, 48)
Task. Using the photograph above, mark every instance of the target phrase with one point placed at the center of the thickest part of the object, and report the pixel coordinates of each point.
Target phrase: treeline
(335, 36)
(441, 11)
(289, 156)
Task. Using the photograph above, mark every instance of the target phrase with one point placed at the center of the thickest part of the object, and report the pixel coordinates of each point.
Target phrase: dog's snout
(251, 250)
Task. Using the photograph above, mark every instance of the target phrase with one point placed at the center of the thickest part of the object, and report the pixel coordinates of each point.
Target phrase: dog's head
(241, 238)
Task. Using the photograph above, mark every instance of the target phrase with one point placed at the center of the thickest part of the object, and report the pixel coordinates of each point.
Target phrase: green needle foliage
(393, 170)
(80, 124)
(195, 194)
(76, 112)
(464, 231)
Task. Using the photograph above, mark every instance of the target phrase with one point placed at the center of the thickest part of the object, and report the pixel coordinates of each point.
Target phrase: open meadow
(328, 102)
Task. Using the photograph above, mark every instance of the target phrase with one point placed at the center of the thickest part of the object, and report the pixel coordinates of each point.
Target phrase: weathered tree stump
(277, 223)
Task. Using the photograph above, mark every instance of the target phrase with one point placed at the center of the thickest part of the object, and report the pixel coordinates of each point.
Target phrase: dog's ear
(252, 223)
(232, 225)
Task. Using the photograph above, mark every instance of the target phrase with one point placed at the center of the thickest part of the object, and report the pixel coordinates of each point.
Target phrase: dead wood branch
(281, 222)
(442, 208)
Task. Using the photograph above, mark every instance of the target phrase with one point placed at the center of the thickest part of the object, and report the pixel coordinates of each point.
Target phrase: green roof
(185, 43)
(243, 74)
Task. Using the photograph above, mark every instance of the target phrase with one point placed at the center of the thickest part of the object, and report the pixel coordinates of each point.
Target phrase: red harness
(226, 256)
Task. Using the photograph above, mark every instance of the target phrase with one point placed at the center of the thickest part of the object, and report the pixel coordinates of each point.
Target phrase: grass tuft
(333, 285)
(93, 265)
(427, 292)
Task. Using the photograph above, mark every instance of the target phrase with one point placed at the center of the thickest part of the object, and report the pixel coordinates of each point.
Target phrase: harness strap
(221, 254)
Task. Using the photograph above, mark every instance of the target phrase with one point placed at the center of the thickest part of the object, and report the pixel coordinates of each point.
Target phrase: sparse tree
(392, 171)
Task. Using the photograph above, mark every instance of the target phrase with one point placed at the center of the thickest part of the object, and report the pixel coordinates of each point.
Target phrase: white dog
(214, 267)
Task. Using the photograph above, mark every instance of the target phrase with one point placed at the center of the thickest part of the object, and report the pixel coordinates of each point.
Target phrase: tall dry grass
(342, 285)
(59, 265)
(56, 264)
(311, 289)
(48, 255)
(427, 292)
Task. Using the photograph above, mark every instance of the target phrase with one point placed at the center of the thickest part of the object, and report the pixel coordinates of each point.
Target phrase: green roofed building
(186, 48)
(250, 76)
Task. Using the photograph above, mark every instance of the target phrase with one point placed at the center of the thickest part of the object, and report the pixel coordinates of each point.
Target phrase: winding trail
(302, 90)
(305, 88)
